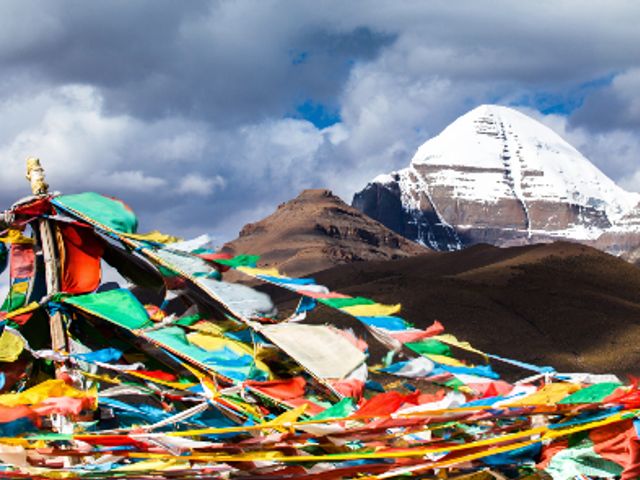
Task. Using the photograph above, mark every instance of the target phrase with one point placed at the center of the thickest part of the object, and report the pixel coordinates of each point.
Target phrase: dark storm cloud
(615, 107)
(221, 61)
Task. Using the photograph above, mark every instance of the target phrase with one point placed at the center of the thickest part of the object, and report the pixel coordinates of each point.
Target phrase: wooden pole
(39, 187)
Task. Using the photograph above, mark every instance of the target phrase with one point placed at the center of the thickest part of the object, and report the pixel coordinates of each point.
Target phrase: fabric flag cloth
(318, 348)
(21, 315)
(231, 362)
(11, 346)
(242, 366)
(281, 389)
(373, 310)
(346, 302)
(41, 392)
(159, 375)
(239, 261)
(22, 262)
(386, 403)
(342, 409)
(17, 419)
(305, 305)
(64, 405)
(80, 254)
(106, 355)
(290, 281)
(235, 350)
(414, 368)
(591, 394)
(350, 387)
(453, 341)
(153, 236)
(550, 394)
(415, 335)
(429, 346)
(17, 296)
(289, 416)
(213, 257)
(15, 237)
(389, 323)
(110, 212)
(611, 451)
(119, 306)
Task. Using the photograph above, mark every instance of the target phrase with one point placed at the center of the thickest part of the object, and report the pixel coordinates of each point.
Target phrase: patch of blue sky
(318, 113)
(298, 57)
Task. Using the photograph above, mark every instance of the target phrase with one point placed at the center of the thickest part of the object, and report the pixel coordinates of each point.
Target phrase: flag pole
(48, 244)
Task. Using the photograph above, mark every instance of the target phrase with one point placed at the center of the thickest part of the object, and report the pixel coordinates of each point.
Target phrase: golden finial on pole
(35, 175)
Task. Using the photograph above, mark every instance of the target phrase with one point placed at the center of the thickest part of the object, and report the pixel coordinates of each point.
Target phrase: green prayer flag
(346, 302)
(454, 383)
(340, 410)
(166, 272)
(592, 393)
(431, 347)
(109, 212)
(117, 306)
(189, 320)
(239, 261)
(13, 301)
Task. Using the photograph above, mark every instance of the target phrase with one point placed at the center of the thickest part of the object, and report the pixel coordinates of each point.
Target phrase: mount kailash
(497, 176)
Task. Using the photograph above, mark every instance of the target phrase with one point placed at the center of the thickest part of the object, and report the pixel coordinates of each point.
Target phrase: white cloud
(160, 167)
(129, 181)
(197, 185)
(627, 87)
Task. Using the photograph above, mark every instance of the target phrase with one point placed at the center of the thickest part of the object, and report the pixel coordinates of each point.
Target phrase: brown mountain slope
(560, 304)
(317, 230)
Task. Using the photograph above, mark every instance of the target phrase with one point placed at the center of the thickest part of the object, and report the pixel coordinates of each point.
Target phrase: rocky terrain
(317, 230)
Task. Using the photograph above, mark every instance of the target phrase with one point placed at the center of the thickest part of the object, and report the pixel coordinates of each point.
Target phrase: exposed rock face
(497, 176)
(317, 230)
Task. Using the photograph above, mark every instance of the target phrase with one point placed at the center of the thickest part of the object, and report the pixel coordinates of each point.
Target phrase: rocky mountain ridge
(317, 230)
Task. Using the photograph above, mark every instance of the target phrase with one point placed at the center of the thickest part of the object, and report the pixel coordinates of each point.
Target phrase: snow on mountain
(496, 175)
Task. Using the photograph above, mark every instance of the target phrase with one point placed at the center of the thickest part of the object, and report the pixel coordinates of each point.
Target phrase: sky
(205, 115)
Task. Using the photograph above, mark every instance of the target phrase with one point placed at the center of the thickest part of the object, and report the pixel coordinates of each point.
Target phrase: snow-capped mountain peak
(541, 164)
(497, 175)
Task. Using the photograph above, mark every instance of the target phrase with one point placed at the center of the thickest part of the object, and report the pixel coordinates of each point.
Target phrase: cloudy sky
(204, 115)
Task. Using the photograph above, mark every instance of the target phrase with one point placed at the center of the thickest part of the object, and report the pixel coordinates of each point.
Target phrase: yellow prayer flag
(15, 236)
(19, 287)
(288, 417)
(271, 272)
(153, 236)
(454, 342)
(11, 346)
(155, 465)
(373, 310)
(42, 391)
(550, 394)
(29, 308)
(443, 359)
